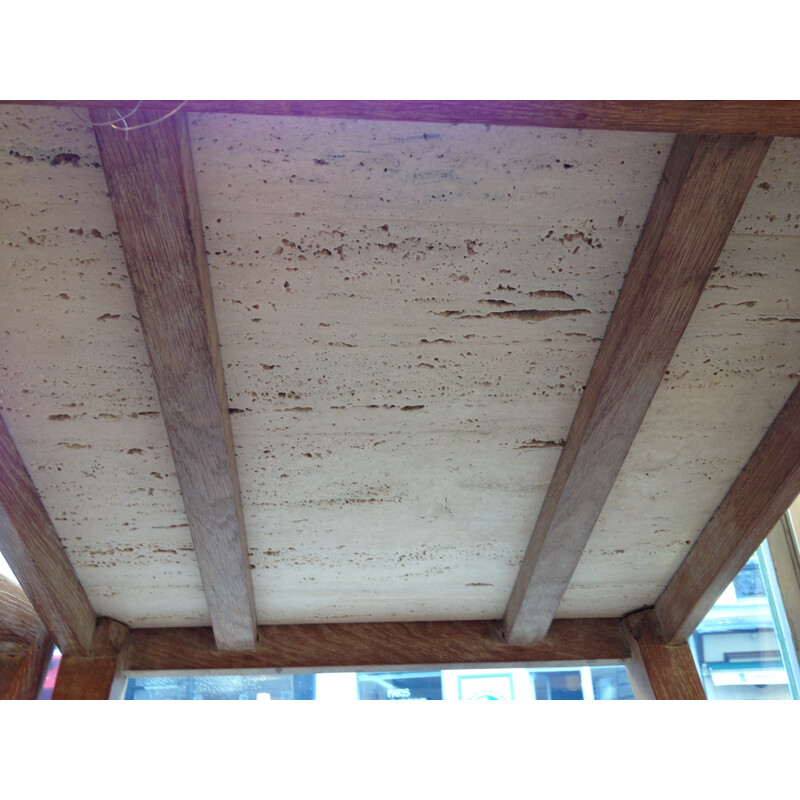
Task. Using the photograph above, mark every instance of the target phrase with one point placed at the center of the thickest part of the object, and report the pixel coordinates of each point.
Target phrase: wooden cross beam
(25, 645)
(381, 645)
(745, 117)
(704, 184)
(31, 546)
(658, 670)
(98, 675)
(151, 181)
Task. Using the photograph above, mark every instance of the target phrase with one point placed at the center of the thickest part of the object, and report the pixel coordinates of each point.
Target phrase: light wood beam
(704, 184)
(745, 117)
(151, 180)
(657, 670)
(370, 645)
(98, 675)
(760, 495)
(31, 546)
(18, 621)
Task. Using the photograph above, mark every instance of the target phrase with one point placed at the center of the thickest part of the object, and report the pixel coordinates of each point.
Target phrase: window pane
(611, 683)
(741, 647)
(575, 683)
(557, 685)
(400, 686)
(222, 687)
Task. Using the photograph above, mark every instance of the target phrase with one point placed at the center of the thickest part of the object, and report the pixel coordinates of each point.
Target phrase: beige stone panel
(395, 430)
(773, 206)
(440, 173)
(421, 516)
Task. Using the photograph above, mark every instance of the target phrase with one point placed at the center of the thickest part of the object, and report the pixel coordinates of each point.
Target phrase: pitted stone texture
(76, 388)
(408, 314)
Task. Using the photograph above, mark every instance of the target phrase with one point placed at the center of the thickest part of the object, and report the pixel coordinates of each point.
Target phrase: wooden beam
(99, 675)
(376, 645)
(19, 624)
(25, 645)
(31, 546)
(704, 184)
(22, 675)
(760, 495)
(154, 195)
(719, 117)
(657, 670)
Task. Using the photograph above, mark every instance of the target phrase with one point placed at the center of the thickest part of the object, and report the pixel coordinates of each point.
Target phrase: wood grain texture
(25, 645)
(704, 184)
(12, 675)
(31, 546)
(153, 192)
(745, 117)
(22, 675)
(760, 495)
(99, 675)
(19, 624)
(367, 645)
(657, 670)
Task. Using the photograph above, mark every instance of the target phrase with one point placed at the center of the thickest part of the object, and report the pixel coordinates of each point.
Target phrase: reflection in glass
(513, 683)
(741, 647)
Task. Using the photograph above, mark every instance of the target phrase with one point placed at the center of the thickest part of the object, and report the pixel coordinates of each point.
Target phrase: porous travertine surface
(407, 315)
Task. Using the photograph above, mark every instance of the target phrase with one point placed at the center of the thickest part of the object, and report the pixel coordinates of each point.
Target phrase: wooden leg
(659, 671)
(22, 674)
(98, 676)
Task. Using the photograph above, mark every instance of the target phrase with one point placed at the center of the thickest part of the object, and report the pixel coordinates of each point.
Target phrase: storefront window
(577, 683)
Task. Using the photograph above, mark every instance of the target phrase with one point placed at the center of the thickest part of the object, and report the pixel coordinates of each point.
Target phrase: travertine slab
(407, 315)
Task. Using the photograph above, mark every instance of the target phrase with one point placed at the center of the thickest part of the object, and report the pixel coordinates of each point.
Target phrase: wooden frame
(355, 646)
(154, 168)
(657, 670)
(154, 196)
(98, 675)
(22, 674)
(745, 117)
(25, 645)
(18, 620)
(783, 549)
(705, 182)
(31, 546)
